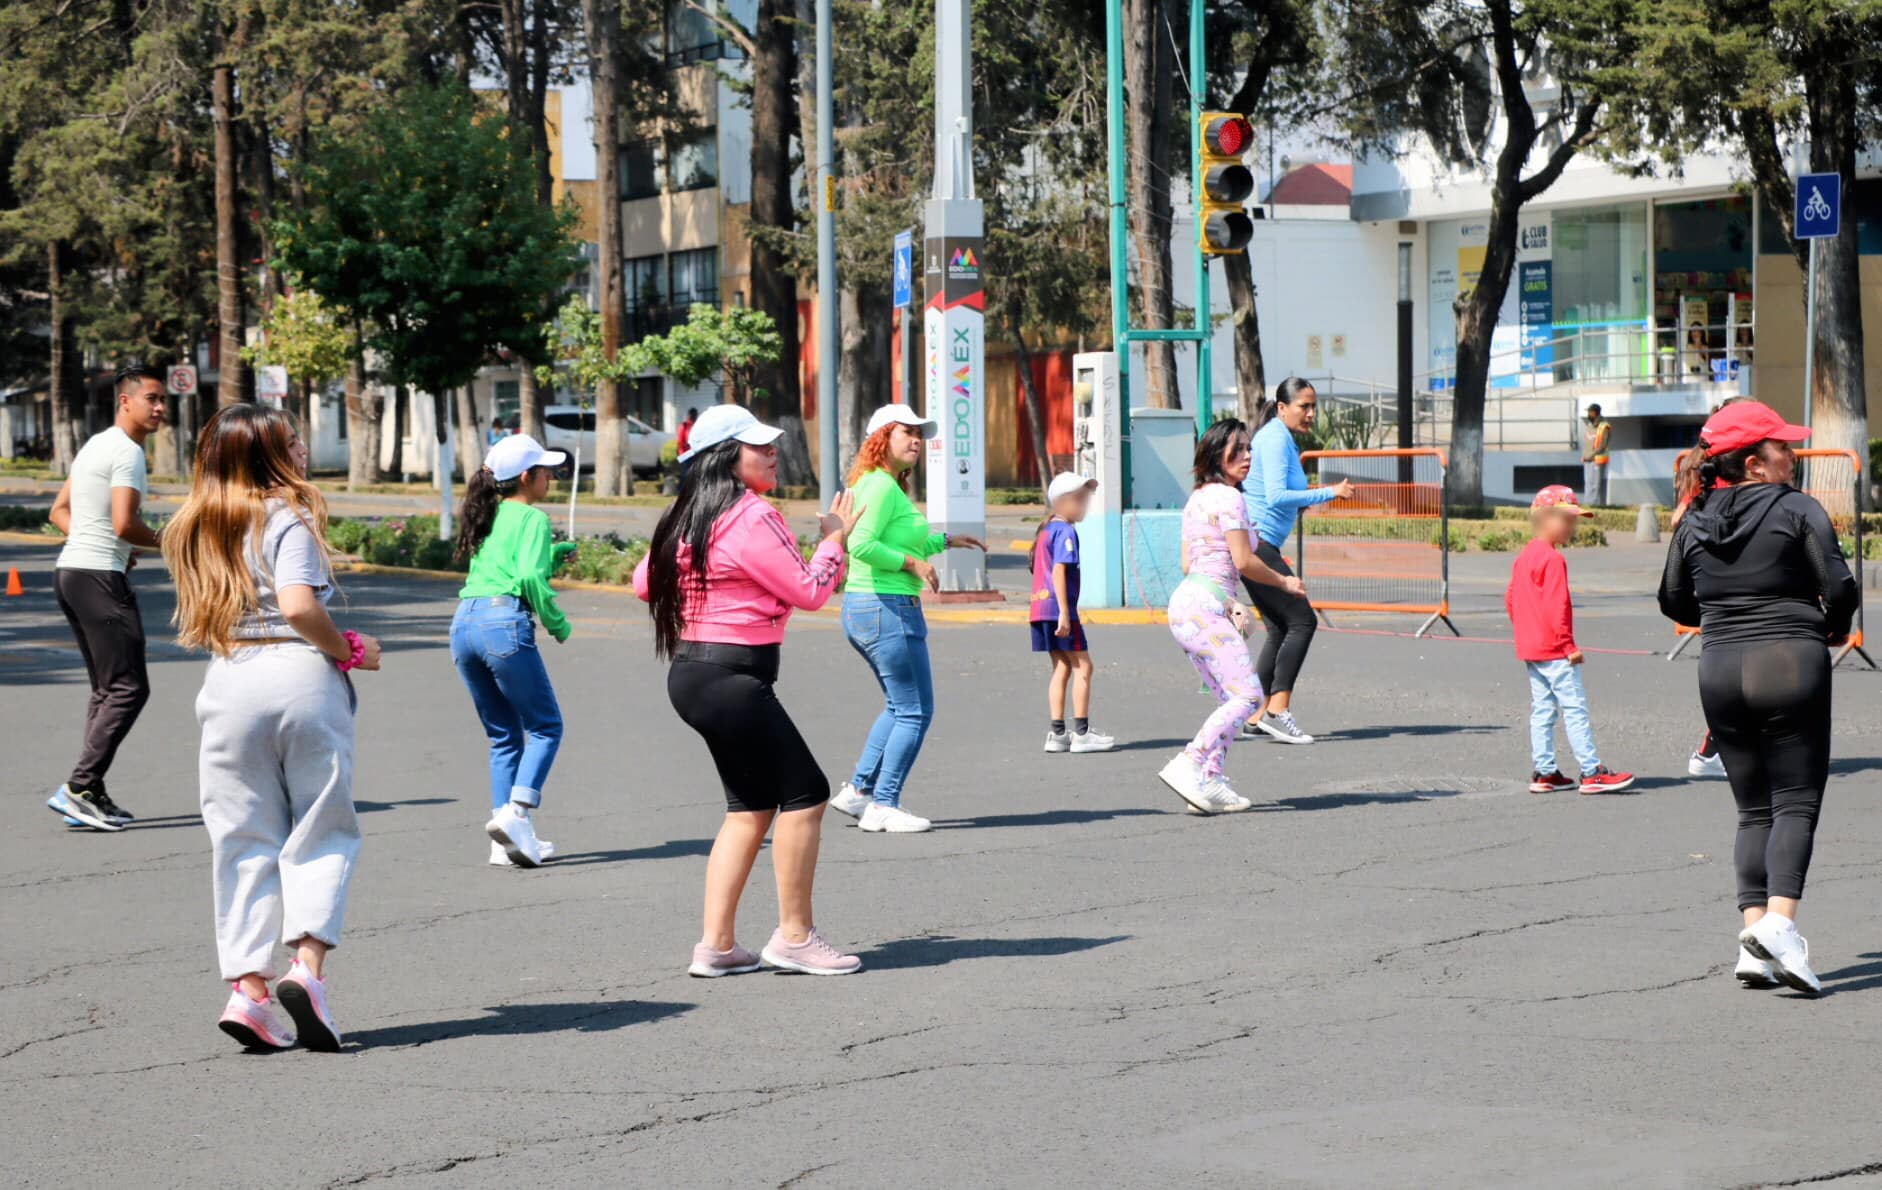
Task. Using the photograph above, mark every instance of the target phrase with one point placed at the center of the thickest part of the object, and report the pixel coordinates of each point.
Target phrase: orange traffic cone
(13, 581)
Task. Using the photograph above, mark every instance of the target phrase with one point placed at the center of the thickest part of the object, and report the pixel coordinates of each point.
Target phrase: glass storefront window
(1600, 266)
(1702, 254)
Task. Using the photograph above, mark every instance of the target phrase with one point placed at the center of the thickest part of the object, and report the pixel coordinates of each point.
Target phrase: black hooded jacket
(1758, 561)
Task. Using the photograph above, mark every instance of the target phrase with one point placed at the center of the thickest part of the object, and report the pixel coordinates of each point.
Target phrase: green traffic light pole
(1122, 333)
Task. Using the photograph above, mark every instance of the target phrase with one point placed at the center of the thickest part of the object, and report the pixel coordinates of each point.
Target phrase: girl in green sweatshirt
(493, 636)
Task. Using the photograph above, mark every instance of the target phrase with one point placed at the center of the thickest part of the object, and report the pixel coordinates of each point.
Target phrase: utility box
(1163, 452)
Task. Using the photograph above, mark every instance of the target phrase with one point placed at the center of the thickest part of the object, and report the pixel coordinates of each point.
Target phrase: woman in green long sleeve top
(508, 542)
(888, 563)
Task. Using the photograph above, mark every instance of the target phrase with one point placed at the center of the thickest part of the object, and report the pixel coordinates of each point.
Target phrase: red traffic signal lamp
(1223, 184)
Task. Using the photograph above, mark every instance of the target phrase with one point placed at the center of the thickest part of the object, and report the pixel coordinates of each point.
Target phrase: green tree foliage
(710, 344)
(304, 335)
(423, 227)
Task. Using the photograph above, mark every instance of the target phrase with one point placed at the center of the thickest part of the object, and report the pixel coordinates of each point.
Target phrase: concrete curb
(455, 576)
(12, 538)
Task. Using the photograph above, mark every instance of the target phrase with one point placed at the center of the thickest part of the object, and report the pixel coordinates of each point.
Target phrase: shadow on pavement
(1858, 977)
(673, 849)
(1854, 764)
(375, 807)
(1043, 818)
(942, 949)
(1149, 745)
(1341, 801)
(595, 1016)
(1414, 729)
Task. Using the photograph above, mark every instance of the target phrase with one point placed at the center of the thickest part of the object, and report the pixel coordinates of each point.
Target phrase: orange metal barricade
(1833, 478)
(1386, 549)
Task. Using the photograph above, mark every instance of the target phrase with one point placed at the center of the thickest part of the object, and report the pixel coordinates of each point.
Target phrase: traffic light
(1224, 185)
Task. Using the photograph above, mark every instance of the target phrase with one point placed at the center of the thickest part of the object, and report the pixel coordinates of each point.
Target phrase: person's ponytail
(478, 512)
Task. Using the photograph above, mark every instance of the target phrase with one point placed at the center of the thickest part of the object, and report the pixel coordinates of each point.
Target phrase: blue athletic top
(1276, 488)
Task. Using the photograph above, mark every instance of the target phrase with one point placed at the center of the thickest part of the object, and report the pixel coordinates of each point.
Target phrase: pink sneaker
(305, 998)
(812, 956)
(253, 1024)
(710, 964)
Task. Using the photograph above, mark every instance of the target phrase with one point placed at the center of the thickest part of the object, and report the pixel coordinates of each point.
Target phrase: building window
(645, 282)
(506, 402)
(643, 173)
(694, 277)
(695, 160)
(643, 400)
(692, 36)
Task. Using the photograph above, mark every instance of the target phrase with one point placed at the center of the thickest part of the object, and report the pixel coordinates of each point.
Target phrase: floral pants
(1220, 655)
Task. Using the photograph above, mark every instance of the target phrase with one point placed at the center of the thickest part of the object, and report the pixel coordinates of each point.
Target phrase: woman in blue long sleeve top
(1275, 492)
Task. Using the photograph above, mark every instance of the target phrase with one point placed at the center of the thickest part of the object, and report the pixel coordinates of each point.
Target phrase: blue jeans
(1555, 686)
(888, 630)
(493, 643)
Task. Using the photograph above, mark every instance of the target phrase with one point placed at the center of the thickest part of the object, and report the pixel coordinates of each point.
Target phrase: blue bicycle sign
(1819, 206)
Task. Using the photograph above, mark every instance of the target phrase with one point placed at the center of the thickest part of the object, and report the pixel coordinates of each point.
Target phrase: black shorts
(1046, 638)
(724, 692)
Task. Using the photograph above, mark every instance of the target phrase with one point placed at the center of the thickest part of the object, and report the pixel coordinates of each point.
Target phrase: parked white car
(565, 426)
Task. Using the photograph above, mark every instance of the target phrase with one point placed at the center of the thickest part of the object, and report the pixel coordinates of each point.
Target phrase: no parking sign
(182, 380)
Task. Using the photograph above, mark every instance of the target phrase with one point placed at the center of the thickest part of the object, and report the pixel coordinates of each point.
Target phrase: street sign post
(904, 301)
(1817, 215)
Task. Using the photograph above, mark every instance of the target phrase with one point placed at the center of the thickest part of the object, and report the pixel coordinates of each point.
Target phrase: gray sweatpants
(277, 789)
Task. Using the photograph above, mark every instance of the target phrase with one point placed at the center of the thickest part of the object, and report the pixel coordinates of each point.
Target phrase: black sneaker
(111, 809)
(81, 807)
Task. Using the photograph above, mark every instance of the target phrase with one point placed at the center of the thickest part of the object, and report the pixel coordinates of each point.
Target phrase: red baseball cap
(1747, 423)
(1558, 495)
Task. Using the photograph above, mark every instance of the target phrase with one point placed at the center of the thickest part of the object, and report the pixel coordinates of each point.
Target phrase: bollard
(1647, 528)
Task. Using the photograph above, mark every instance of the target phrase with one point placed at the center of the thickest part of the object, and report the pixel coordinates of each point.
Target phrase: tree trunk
(60, 382)
(1035, 411)
(398, 426)
(529, 399)
(470, 442)
(1149, 80)
(778, 398)
(614, 474)
(1839, 394)
(300, 399)
(230, 386)
(863, 366)
(1251, 379)
(362, 429)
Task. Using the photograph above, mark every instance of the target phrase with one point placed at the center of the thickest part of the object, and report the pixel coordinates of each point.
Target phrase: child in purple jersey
(1056, 629)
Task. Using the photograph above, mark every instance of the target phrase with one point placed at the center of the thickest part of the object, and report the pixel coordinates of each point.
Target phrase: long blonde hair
(245, 459)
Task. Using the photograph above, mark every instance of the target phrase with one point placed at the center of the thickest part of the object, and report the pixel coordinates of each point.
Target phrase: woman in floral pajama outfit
(1209, 623)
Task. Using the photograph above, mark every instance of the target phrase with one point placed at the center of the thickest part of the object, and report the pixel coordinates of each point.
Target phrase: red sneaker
(1605, 780)
(1551, 783)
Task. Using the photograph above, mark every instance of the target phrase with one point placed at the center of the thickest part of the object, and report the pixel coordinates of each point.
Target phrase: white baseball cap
(516, 453)
(1065, 483)
(722, 423)
(890, 415)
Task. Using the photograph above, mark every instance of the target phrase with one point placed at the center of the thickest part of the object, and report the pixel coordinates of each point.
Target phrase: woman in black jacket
(1756, 564)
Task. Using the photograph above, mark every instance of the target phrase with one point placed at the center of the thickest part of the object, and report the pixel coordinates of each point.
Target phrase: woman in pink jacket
(721, 577)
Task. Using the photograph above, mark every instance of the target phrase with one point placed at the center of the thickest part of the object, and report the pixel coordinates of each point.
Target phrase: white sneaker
(894, 820)
(1226, 800)
(512, 828)
(1754, 972)
(499, 858)
(1091, 741)
(1706, 766)
(1282, 727)
(1775, 939)
(1059, 741)
(1185, 779)
(847, 801)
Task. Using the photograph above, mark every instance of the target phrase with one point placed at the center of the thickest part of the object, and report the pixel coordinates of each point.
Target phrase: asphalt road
(1400, 970)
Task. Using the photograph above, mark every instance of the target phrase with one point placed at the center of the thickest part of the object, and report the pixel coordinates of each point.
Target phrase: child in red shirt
(1538, 605)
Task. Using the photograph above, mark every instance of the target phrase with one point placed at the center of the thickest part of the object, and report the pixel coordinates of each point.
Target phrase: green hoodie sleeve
(883, 504)
(535, 562)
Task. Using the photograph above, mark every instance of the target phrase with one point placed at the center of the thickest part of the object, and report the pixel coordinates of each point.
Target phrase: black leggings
(1768, 706)
(1289, 620)
(724, 692)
